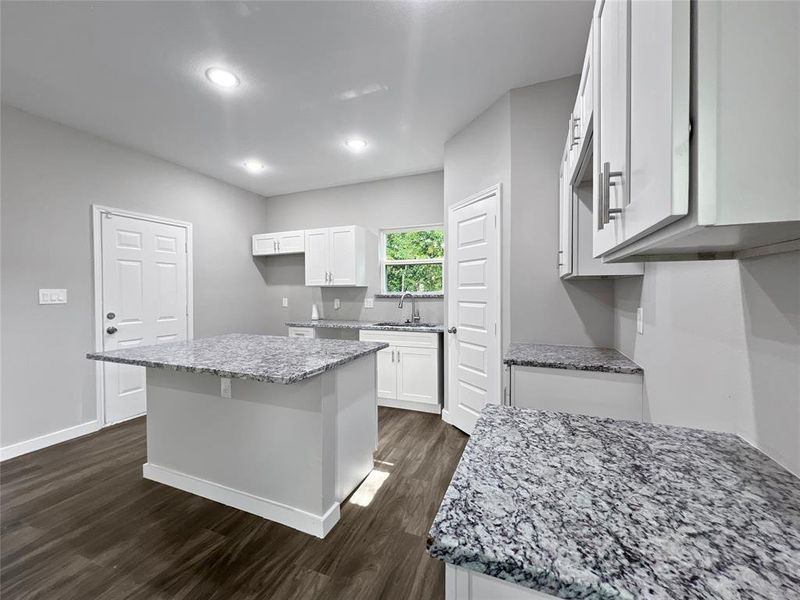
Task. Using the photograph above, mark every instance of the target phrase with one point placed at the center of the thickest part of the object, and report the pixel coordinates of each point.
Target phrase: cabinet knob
(451, 330)
(111, 330)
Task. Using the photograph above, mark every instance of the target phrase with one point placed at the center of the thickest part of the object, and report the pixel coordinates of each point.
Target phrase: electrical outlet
(369, 302)
(285, 302)
(51, 296)
(337, 304)
(640, 321)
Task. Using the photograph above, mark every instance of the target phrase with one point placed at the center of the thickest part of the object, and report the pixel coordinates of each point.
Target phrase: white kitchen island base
(288, 453)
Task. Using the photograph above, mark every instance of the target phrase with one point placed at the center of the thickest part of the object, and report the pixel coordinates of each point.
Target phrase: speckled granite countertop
(272, 359)
(581, 507)
(578, 358)
(369, 325)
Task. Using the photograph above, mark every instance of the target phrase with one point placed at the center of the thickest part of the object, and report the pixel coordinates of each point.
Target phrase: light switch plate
(640, 320)
(337, 304)
(285, 302)
(52, 296)
(369, 302)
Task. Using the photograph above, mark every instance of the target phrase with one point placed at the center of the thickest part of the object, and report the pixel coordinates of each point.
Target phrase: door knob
(111, 330)
(451, 330)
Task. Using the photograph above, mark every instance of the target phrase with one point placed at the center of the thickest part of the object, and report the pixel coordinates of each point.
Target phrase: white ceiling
(404, 76)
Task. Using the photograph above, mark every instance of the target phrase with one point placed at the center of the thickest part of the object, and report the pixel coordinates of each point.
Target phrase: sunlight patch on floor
(368, 488)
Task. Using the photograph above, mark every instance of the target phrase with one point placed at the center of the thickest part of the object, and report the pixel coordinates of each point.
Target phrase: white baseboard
(263, 507)
(49, 439)
(408, 405)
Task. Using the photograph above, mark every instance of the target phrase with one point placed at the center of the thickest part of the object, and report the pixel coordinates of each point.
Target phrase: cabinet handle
(392, 355)
(576, 138)
(279, 245)
(606, 212)
(451, 330)
(398, 357)
(274, 246)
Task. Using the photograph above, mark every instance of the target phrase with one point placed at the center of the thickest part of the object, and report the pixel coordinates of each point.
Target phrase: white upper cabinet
(696, 129)
(284, 242)
(576, 179)
(336, 256)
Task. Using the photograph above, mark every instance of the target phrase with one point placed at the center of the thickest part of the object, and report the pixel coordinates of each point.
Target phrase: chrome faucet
(415, 318)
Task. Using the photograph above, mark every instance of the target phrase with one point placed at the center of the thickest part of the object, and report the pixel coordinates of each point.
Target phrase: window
(412, 259)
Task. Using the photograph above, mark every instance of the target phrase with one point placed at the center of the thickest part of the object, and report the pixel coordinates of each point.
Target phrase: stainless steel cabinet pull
(576, 137)
(279, 245)
(451, 330)
(606, 211)
(392, 355)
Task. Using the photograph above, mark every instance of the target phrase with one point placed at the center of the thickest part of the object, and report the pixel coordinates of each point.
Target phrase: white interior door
(317, 256)
(144, 301)
(473, 306)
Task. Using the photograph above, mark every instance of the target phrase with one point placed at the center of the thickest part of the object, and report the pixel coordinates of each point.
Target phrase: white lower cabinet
(593, 393)
(463, 584)
(409, 370)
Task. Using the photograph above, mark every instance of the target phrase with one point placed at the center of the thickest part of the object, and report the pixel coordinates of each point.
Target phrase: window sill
(431, 295)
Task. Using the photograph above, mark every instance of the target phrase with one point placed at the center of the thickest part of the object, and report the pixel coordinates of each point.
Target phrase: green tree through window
(413, 260)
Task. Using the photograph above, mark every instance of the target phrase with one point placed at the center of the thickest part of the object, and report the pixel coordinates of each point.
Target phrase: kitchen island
(283, 428)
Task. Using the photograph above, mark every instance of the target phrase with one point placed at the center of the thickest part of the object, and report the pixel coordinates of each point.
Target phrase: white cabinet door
(586, 89)
(659, 118)
(317, 256)
(291, 242)
(343, 255)
(302, 332)
(265, 244)
(564, 218)
(418, 375)
(642, 120)
(387, 373)
(611, 126)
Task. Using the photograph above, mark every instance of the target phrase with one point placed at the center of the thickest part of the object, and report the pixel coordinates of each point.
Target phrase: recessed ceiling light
(355, 144)
(222, 77)
(254, 166)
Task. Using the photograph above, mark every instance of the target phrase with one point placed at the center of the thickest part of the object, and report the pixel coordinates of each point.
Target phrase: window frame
(384, 262)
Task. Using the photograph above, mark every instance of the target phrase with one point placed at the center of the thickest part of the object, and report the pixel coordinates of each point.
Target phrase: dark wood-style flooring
(79, 522)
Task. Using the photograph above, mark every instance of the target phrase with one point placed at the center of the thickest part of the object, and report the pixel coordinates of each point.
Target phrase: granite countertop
(581, 507)
(272, 359)
(368, 325)
(579, 358)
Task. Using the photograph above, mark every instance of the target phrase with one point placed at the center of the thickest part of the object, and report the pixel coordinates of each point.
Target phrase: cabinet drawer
(304, 332)
(597, 394)
(402, 338)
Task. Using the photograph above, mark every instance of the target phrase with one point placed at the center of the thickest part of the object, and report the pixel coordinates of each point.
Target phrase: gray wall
(476, 158)
(51, 175)
(721, 347)
(517, 142)
(397, 202)
(543, 307)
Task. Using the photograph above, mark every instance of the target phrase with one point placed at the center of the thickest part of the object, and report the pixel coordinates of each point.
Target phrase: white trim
(383, 262)
(410, 405)
(97, 266)
(317, 525)
(49, 439)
